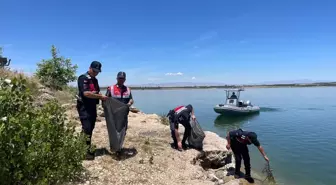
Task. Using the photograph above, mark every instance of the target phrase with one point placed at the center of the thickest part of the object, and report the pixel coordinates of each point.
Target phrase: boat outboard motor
(240, 103)
(248, 103)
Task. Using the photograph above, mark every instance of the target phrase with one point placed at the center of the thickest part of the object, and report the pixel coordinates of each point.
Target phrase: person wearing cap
(119, 91)
(181, 114)
(87, 100)
(238, 141)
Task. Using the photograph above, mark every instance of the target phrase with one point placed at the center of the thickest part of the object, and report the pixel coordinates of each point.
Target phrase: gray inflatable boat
(234, 105)
(116, 115)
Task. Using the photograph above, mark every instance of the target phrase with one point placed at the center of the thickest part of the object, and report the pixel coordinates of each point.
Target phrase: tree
(56, 72)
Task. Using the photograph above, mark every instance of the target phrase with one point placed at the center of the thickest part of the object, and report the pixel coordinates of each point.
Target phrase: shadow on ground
(124, 154)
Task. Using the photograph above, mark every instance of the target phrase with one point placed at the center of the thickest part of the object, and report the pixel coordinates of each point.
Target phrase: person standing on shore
(238, 141)
(87, 100)
(181, 114)
(119, 91)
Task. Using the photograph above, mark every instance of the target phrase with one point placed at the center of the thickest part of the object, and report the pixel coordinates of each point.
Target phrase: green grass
(163, 119)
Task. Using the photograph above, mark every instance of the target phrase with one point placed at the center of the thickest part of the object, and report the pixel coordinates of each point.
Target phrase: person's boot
(237, 175)
(185, 146)
(249, 178)
(248, 175)
(119, 153)
(90, 156)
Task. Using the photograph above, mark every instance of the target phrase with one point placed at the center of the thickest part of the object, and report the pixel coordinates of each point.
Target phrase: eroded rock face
(213, 142)
(213, 159)
(214, 154)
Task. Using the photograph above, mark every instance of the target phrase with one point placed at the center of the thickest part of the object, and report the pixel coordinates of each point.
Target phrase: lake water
(296, 126)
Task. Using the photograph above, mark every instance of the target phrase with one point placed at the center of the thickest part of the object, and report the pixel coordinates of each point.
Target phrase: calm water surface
(296, 126)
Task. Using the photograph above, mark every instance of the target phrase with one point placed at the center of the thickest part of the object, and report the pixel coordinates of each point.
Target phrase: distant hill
(178, 84)
(303, 81)
(190, 84)
(288, 83)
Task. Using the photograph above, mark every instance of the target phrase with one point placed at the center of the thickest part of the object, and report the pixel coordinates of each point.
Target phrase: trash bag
(196, 136)
(116, 115)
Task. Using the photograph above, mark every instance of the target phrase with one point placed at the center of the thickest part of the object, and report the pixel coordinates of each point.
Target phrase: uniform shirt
(88, 83)
(122, 90)
(240, 136)
(180, 114)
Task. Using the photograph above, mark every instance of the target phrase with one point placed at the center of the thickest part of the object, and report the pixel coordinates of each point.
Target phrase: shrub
(67, 95)
(36, 147)
(56, 72)
(164, 119)
(32, 82)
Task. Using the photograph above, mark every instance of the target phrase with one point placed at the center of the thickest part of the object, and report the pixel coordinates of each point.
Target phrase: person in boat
(238, 141)
(181, 115)
(233, 96)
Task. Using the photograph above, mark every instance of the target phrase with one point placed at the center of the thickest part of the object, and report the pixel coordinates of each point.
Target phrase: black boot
(185, 146)
(249, 178)
(237, 175)
(90, 156)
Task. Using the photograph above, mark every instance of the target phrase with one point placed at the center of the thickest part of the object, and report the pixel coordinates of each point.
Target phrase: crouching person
(180, 115)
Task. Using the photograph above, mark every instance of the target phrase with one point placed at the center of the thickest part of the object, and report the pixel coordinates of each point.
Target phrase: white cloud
(193, 78)
(174, 74)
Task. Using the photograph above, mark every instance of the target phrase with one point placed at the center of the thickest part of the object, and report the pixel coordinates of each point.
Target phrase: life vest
(179, 109)
(116, 92)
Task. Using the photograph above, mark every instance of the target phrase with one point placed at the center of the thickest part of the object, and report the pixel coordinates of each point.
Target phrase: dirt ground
(149, 158)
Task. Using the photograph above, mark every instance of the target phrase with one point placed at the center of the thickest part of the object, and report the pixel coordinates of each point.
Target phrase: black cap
(121, 74)
(189, 107)
(96, 66)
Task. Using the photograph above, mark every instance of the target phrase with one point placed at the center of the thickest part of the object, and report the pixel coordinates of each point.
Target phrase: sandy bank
(155, 162)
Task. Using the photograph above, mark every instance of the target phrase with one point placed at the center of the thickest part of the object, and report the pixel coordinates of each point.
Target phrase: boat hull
(233, 110)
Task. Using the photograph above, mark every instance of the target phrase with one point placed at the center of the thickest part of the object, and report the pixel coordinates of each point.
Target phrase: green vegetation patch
(36, 147)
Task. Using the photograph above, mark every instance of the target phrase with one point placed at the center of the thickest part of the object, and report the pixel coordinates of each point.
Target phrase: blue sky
(156, 41)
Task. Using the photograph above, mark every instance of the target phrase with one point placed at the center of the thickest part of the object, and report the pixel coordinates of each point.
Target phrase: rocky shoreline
(149, 158)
